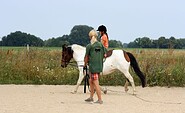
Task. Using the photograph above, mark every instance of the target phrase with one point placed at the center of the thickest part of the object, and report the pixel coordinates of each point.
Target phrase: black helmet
(102, 28)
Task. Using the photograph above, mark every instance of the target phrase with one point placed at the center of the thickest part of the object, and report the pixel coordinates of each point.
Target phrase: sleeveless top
(105, 41)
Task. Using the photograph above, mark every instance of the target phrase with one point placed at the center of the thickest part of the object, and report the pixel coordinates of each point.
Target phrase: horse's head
(67, 55)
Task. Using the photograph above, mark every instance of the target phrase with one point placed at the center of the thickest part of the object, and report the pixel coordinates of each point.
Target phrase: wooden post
(28, 48)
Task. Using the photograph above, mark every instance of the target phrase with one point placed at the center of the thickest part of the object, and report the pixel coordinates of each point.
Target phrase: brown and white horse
(117, 60)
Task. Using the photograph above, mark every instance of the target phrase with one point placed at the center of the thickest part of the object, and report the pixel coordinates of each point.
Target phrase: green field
(41, 65)
(25, 48)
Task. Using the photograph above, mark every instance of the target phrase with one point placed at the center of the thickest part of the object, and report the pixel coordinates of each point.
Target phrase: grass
(38, 66)
(162, 67)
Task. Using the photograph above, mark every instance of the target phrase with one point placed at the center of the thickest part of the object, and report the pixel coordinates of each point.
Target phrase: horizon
(110, 39)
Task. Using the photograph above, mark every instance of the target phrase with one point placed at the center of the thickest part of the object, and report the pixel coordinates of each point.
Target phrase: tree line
(79, 35)
(19, 38)
(161, 42)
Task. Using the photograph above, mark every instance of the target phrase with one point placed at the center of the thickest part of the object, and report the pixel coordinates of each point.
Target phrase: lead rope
(145, 100)
(159, 102)
(86, 79)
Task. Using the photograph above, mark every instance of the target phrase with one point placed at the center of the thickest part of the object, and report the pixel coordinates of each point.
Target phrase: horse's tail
(136, 68)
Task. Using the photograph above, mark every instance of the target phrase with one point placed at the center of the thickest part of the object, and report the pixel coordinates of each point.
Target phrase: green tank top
(96, 53)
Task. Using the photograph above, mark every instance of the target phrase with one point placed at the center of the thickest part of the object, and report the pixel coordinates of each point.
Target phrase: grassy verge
(42, 66)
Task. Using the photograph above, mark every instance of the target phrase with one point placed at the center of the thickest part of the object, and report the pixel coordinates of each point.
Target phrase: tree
(125, 45)
(132, 45)
(180, 44)
(137, 42)
(19, 38)
(80, 35)
(172, 42)
(115, 44)
(58, 42)
(146, 42)
(162, 42)
(154, 44)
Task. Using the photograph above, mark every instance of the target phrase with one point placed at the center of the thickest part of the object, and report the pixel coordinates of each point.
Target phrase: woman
(104, 36)
(94, 58)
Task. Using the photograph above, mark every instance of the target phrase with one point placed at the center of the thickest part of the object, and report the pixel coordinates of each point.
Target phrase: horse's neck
(77, 48)
(79, 52)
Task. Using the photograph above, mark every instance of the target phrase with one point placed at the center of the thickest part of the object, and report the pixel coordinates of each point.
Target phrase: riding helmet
(102, 28)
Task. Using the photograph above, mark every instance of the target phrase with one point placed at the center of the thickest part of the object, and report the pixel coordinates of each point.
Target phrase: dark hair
(107, 36)
(103, 28)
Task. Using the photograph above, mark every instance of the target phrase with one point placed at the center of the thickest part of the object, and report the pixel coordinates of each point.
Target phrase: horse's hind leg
(126, 85)
(131, 80)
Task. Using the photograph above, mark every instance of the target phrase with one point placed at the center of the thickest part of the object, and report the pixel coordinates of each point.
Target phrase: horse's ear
(70, 49)
(64, 46)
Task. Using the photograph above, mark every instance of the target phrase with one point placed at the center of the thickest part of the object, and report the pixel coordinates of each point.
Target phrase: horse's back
(117, 58)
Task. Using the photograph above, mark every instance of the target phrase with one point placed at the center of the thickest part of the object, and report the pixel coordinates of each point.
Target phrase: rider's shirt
(105, 41)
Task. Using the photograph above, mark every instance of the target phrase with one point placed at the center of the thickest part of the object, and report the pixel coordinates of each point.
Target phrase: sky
(125, 20)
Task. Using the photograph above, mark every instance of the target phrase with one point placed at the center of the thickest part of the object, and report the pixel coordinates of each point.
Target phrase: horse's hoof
(126, 89)
(134, 93)
(74, 92)
(105, 91)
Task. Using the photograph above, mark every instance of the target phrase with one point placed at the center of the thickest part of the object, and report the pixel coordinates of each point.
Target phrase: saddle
(109, 53)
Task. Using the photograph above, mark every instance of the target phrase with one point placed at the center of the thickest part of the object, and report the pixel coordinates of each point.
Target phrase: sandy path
(58, 99)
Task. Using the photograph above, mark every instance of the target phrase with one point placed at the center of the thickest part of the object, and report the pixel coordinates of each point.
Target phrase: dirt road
(58, 99)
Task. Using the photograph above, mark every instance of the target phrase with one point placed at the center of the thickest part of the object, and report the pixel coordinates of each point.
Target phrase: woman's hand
(105, 55)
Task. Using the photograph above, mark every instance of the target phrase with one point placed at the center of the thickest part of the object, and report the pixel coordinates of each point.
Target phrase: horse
(115, 60)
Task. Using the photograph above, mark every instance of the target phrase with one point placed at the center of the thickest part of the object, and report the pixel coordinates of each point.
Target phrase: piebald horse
(116, 60)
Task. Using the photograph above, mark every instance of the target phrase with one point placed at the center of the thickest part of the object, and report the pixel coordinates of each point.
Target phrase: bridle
(71, 63)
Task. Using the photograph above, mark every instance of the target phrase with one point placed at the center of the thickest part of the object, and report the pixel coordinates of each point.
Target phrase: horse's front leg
(104, 90)
(80, 78)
